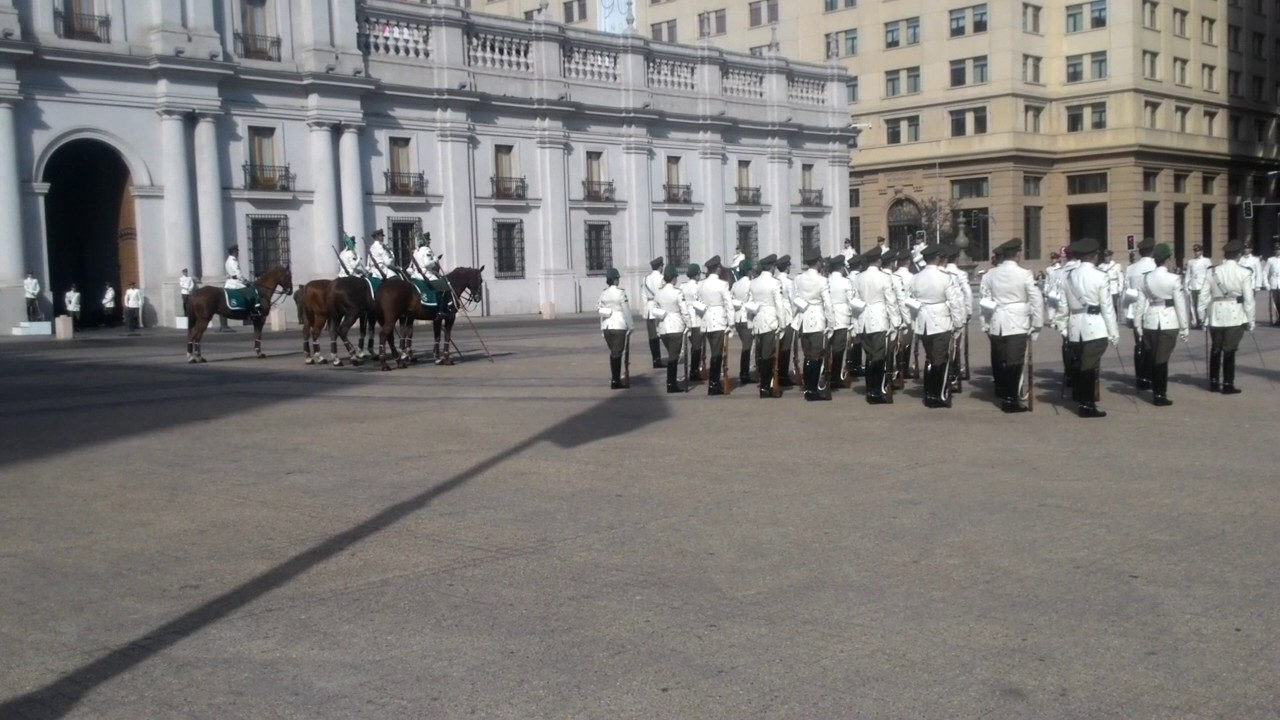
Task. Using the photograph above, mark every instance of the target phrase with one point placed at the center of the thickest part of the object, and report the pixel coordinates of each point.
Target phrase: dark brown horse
(400, 305)
(210, 300)
(313, 315)
(350, 301)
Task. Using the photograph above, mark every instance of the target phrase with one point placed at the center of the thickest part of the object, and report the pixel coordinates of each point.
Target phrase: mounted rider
(236, 281)
(426, 269)
(381, 258)
(348, 261)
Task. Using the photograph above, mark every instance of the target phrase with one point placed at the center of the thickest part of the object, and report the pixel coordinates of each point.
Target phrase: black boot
(1160, 385)
(1011, 402)
(931, 396)
(784, 369)
(1140, 372)
(713, 382)
(695, 365)
(1215, 368)
(655, 350)
(855, 361)
(615, 373)
(673, 371)
(1068, 372)
(875, 383)
(1229, 374)
(1088, 409)
(744, 369)
(766, 377)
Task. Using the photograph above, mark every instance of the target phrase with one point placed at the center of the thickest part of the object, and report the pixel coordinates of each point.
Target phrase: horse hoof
(191, 360)
(201, 359)
(309, 361)
(337, 362)
(386, 368)
(261, 355)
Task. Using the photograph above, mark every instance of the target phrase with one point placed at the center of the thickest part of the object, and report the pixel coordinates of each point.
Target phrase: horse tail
(297, 299)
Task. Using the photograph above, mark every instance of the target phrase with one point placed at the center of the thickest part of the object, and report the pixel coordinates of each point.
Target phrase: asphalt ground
(511, 539)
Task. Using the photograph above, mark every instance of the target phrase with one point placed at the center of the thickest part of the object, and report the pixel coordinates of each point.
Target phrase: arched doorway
(90, 226)
(905, 220)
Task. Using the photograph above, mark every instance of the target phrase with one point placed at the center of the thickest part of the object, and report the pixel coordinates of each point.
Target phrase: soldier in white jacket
(766, 308)
(1197, 273)
(879, 320)
(812, 302)
(1012, 313)
(1160, 314)
(694, 319)
(1253, 264)
(741, 321)
(960, 369)
(939, 316)
(186, 284)
(109, 305)
(716, 297)
(648, 291)
(856, 368)
(669, 313)
(1115, 277)
(71, 301)
(31, 291)
(1132, 281)
(1227, 306)
(615, 324)
(840, 288)
(133, 307)
(782, 271)
(1089, 320)
(902, 262)
(348, 260)
(1272, 275)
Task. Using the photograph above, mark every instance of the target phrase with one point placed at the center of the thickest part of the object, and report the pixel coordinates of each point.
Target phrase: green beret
(671, 272)
(694, 270)
(745, 267)
(1163, 252)
(612, 274)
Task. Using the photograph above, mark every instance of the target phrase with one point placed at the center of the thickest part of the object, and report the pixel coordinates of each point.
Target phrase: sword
(626, 361)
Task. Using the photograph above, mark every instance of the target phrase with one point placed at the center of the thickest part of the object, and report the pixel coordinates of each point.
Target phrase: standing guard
(349, 265)
(186, 284)
(1228, 309)
(742, 320)
(648, 291)
(1160, 317)
(1132, 282)
(1056, 300)
(813, 302)
(878, 320)
(696, 309)
(1090, 323)
(716, 297)
(939, 316)
(1012, 313)
(840, 289)
(767, 309)
(669, 313)
(1197, 271)
(615, 324)
(1115, 277)
(783, 273)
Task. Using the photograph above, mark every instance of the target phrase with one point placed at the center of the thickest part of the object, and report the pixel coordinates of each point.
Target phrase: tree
(938, 217)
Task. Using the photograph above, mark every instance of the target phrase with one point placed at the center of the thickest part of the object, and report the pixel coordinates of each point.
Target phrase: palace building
(145, 139)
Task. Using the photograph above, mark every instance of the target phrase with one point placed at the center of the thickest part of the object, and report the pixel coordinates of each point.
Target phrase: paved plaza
(262, 539)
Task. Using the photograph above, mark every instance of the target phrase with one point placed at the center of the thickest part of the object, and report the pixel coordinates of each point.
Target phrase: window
(958, 70)
(530, 15)
(1260, 130)
(268, 242)
(842, 43)
(1151, 114)
(913, 31)
(575, 11)
(749, 239)
(664, 31)
(810, 239)
(1207, 183)
(1233, 83)
(401, 179)
(806, 176)
(1259, 94)
(850, 43)
(980, 70)
(1210, 123)
(893, 83)
(404, 233)
(1075, 18)
(1259, 46)
(855, 231)
(1180, 183)
(892, 35)
(764, 11)
(1031, 118)
(1087, 184)
(1075, 68)
(970, 188)
(979, 18)
(262, 146)
(830, 5)
(1030, 69)
(673, 185)
(1150, 65)
(1180, 118)
(980, 121)
(758, 50)
(1235, 129)
(264, 171)
(958, 123)
(257, 39)
(1151, 181)
(1031, 232)
(508, 248)
(901, 130)
(1030, 18)
(505, 182)
(1096, 114)
(1098, 14)
(677, 237)
(957, 23)
(1233, 38)
(400, 162)
(1031, 185)
(1207, 77)
(913, 80)
(710, 23)
(851, 90)
(1180, 71)
(1180, 23)
(1151, 14)
(1208, 31)
(1098, 61)
(599, 247)
(855, 197)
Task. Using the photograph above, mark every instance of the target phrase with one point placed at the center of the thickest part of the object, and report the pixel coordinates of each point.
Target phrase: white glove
(1183, 334)
(1251, 325)
(1035, 335)
(1114, 339)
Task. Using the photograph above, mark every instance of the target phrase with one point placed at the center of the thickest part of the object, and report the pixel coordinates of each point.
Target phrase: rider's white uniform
(425, 260)
(350, 266)
(380, 258)
(235, 281)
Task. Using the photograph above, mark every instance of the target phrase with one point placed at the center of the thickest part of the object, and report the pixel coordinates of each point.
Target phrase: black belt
(1160, 303)
(1228, 298)
(1094, 309)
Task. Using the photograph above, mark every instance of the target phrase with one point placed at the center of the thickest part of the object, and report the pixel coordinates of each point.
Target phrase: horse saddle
(433, 292)
(239, 300)
(374, 283)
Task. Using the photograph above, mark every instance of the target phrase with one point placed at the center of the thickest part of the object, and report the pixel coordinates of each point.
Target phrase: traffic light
(1248, 209)
(1130, 242)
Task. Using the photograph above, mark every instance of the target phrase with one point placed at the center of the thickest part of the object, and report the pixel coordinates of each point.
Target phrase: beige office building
(1048, 121)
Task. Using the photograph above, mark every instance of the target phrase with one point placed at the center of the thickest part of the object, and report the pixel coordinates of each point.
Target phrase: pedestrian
(109, 306)
(615, 324)
(71, 301)
(939, 317)
(1273, 284)
(186, 284)
(741, 319)
(1197, 274)
(31, 290)
(1132, 281)
(1228, 309)
(648, 291)
(766, 308)
(1161, 319)
(133, 308)
(1089, 321)
(813, 305)
(1012, 313)
(716, 298)
(668, 311)
(878, 317)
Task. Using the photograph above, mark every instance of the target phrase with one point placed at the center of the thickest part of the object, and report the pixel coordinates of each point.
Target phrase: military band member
(1090, 322)
(669, 313)
(648, 291)
(741, 320)
(696, 309)
(1160, 316)
(939, 315)
(1013, 311)
(903, 262)
(1227, 305)
(1272, 272)
(766, 308)
(782, 270)
(615, 324)
(878, 319)
(812, 302)
(716, 297)
(1197, 273)
(840, 289)
(1132, 281)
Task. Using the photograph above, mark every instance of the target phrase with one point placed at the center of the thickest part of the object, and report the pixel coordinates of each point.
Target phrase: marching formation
(868, 316)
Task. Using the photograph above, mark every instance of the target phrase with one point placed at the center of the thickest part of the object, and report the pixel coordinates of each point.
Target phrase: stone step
(34, 328)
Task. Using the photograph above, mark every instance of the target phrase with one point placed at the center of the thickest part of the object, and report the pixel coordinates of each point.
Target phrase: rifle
(1029, 374)
(965, 373)
(887, 380)
(954, 360)
(725, 378)
(796, 356)
(345, 271)
(684, 357)
(775, 383)
(626, 361)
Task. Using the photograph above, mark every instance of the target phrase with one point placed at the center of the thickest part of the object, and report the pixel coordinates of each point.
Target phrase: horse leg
(307, 359)
(316, 329)
(408, 343)
(258, 322)
(202, 324)
(191, 342)
(447, 321)
(435, 334)
(387, 335)
(367, 330)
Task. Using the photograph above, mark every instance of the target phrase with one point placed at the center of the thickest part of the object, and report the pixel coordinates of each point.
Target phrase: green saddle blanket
(374, 283)
(240, 300)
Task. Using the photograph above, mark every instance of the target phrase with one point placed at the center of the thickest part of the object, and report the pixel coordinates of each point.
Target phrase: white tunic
(649, 289)
(876, 287)
(133, 298)
(941, 302)
(769, 305)
(1019, 306)
(1198, 272)
(668, 308)
(614, 309)
(1251, 263)
(966, 289)
(1133, 280)
(234, 280)
(741, 294)
(380, 257)
(1229, 301)
(788, 293)
(1272, 274)
(1085, 287)
(717, 296)
(812, 302)
(1161, 304)
(350, 265)
(1115, 276)
(902, 286)
(694, 306)
(186, 284)
(72, 300)
(840, 288)
(31, 287)
(109, 298)
(425, 260)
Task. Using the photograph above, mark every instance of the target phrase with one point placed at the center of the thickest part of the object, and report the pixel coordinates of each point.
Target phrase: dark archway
(90, 227)
(905, 220)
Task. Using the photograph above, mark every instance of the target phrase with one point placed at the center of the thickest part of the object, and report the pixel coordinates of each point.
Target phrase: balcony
(509, 188)
(598, 190)
(748, 195)
(258, 47)
(810, 198)
(406, 183)
(267, 177)
(682, 194)
(82, 26)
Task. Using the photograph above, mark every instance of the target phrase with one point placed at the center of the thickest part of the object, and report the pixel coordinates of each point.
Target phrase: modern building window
(1030, 18)
(711, 23)
(851, 90)
(763, 11)
(980, 75)
(962, 19)
(1098, 116)
(1259, 93)
(677, 244)
(599, 247)
(664, 31)
(1208, 31)
(959, 73)
(906, 129)
(1075, 18)
(1180, 118)
(1075, 68)
(1180, 23)
(1208, 77)
(1210, 123)
(893, 82)
(1094, 114)
(913, 80)
(1098, 64)
(1087, 183)
(1031, 185)
(1235, 128)
(855, 197)
(1180, 71)
(1207, 183)
(969, 188)
(1150, 65)
(855, 231)
(1151, 14)
(1031, 219)
(844, 43)
(1031, 118)
(851, 43)
(576, 11)
(1180, 183)
(1259, 46)
(958, 26)
(892, 35)
(913, 31)
(1233, 83)
(268, 242)
(1233, 38)
(979, 18)
(1151, 114)
(508, 248)
(1151, 181)
(959, 123)
(1031, 69)
(1097, 14)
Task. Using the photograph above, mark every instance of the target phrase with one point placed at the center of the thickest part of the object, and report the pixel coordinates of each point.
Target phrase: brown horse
(400, 305)
(313, 315)
(210, 300)
(350, 301)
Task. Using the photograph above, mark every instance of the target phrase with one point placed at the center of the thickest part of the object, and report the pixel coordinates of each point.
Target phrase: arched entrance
(905, 219)
(90, 226)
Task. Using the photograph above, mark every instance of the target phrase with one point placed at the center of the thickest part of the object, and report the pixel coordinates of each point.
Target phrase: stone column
(456, 235)
(324, 203)
(213, 239)
(778, 194)
(178, 241)
(12, 252)
(352, 177)
(557, 286)
(640, 238)
(715, 238)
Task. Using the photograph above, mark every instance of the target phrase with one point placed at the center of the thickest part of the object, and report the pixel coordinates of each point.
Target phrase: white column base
(35, 329)
(13, 305)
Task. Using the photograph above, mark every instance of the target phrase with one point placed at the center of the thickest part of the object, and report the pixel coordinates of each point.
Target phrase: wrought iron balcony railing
(598, 190)
(406, 183)
(678, 193)
(267, 177)
(748, 195)
(258, 47)
(82, 26)
(811, 198)
(509, 188)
